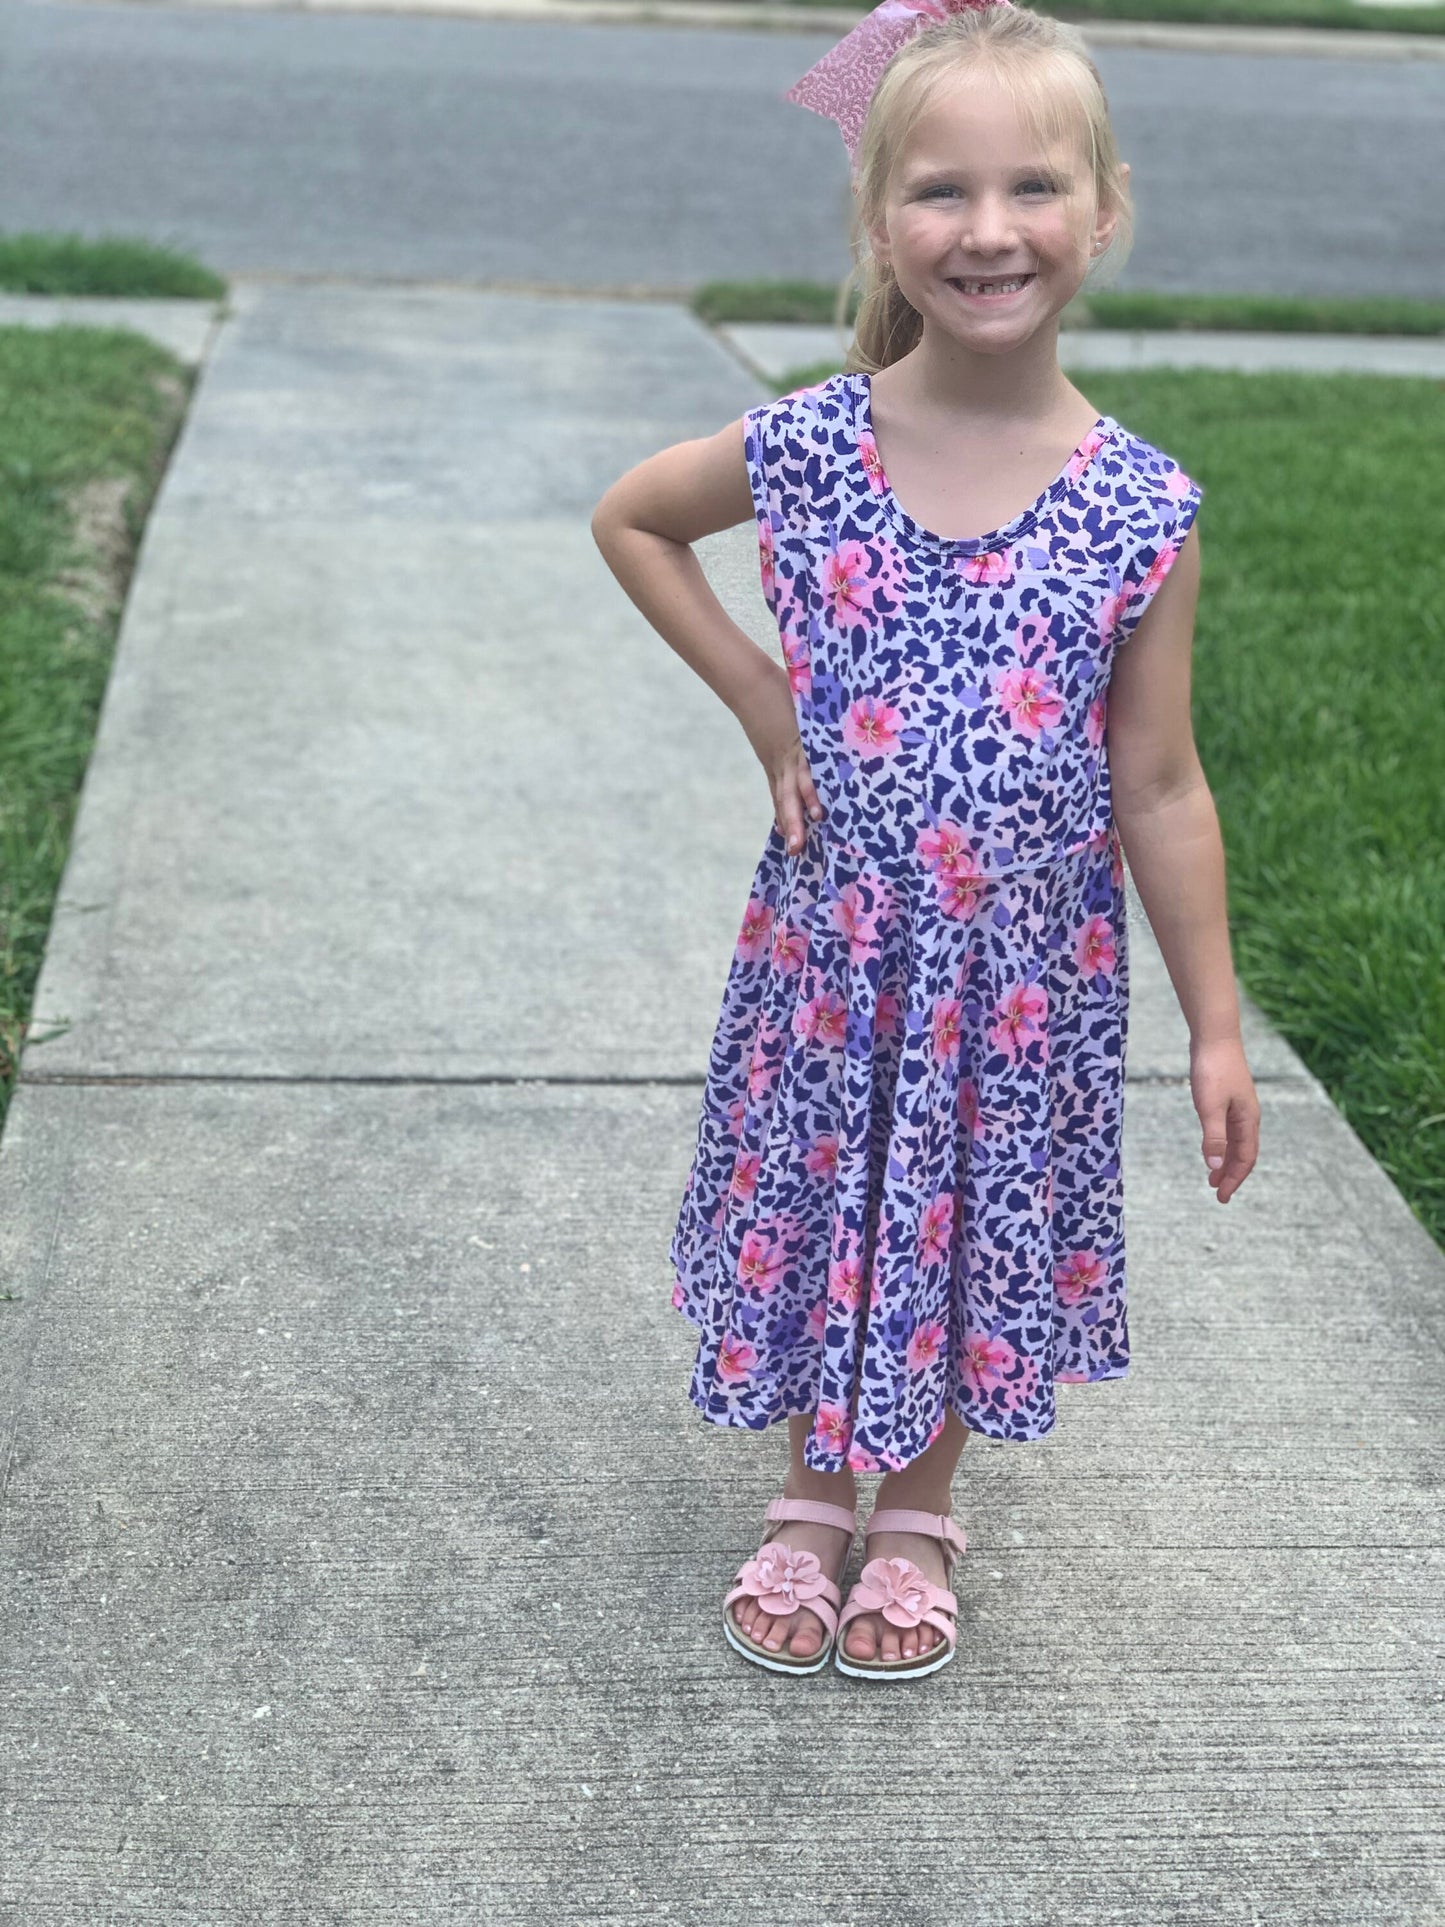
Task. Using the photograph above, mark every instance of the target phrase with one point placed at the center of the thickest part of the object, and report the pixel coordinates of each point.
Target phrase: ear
(878, 243)
(1105, 225)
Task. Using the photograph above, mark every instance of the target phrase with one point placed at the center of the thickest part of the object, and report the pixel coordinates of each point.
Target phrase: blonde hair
(1044, 66)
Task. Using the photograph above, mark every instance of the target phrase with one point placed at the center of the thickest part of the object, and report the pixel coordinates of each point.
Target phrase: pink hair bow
(841, 85)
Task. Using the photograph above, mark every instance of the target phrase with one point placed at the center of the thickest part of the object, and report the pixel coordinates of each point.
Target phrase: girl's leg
(801, 1633)
(924, 1486)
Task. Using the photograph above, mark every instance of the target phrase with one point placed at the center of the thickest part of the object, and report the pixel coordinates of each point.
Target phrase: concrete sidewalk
(773, 350)
(362, 1556)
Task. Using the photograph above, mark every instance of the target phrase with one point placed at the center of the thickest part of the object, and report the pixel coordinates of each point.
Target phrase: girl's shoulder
(1143, 465)
(815, 403)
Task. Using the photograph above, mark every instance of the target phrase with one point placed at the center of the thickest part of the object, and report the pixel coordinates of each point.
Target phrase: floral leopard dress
(906, 1193)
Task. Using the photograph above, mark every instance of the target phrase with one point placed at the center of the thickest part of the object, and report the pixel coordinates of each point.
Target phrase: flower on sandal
(781, 1579)
(896, 1588)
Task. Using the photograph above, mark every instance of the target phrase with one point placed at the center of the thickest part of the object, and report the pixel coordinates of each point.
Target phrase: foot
(870, 1636)
(802, 1635)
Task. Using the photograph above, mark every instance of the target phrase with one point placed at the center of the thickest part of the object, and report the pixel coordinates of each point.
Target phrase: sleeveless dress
(906, 1193)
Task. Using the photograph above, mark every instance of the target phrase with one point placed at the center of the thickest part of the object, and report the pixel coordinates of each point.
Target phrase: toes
(744, 1613)
(770, 1633)
(910, 1643)
(807, 1637)
(890, 1642)
(861, 1641)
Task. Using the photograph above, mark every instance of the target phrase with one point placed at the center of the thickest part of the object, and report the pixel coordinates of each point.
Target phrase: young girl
(904, 1218)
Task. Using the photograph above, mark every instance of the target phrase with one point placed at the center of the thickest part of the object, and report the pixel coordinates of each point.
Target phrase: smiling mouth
(991, 287)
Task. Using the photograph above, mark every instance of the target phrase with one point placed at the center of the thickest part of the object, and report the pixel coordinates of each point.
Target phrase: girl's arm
(644, 526)
(1170, 833)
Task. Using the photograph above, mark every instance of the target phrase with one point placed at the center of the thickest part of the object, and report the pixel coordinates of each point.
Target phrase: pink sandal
(782, 1579)
(905, 1596)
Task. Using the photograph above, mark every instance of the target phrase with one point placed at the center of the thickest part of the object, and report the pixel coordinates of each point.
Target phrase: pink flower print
(935, 1229)
(1094, 723)
(1177, 483)
(767, 556)
(833, 1428)
(818, 1321)
(985, 570)
(871, 727)
(986, 1360)
(800, 668)
(947, 1028)
(781, 1578)
(860, 913)
(822, 1158)
(888, 1014)
(790, 947)
(735, 1359)
(1094, 946)
(847, 585)
(1020, 1018)
(959, 896)
(757, 923)
(949, 851)
(1116, 865)
(745, 1174)
(678, 1295)
(872, 465)
(845, 1281)
(925, 1345)
(1077, 1276)
(970, 1112)
(1110, 611)
(1032, 702)
(860, 1460)
(1085, 452)
(1158, 569)
(760, 1263)
(823, 1019)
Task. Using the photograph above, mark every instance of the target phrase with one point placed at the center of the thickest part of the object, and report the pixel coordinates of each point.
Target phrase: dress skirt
(906, 1195)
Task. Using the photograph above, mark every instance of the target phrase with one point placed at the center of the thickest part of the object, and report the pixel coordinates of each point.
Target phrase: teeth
(994, 287)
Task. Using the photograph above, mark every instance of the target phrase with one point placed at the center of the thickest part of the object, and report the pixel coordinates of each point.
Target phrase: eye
(929, 193)
(1048, 187)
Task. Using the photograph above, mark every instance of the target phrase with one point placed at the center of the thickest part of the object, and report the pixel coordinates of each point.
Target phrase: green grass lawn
(70, 264)
(815, 302)
(87, 419)
(1319, 711)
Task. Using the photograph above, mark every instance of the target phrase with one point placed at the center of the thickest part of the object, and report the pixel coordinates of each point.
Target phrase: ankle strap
(931, 1525)
(813, 1512)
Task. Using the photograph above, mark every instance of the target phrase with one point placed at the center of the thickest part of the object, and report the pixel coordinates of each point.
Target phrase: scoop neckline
(1063, 483)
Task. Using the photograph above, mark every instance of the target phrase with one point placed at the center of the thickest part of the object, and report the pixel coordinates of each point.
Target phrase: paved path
(775, 350)
(361, 1555)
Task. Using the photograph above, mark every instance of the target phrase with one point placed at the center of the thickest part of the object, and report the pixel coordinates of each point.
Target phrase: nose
(993, 227)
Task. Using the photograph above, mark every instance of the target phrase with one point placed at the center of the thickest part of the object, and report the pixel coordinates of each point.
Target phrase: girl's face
(973, 199)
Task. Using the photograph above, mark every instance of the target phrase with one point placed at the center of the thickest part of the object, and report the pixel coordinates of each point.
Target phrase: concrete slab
(774, 350)
(382, 730)
(347, 1429)
(184, 327)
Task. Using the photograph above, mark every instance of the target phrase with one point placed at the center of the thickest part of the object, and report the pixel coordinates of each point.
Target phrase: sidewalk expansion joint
(684, 1080)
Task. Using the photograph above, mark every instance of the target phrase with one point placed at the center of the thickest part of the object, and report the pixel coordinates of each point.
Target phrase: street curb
(745, 17)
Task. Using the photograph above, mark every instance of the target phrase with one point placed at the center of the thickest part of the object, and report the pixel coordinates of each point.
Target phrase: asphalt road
(495, 151)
